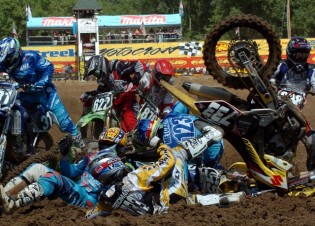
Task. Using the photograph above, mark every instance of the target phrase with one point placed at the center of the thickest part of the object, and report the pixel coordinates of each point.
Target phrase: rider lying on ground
(153, 187)
(39, 181)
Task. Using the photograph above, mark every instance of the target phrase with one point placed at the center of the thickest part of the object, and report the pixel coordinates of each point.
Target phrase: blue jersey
(178, 126)
(35, 69)
(32, 69)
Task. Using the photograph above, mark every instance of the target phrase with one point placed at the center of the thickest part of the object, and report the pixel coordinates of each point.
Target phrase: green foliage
(199, 15)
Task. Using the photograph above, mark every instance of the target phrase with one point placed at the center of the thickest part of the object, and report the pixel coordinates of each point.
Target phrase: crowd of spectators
(136, 35)
(52, 38)
(139, 36)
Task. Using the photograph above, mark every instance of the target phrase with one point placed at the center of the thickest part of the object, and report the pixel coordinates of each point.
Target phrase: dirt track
(268, 209)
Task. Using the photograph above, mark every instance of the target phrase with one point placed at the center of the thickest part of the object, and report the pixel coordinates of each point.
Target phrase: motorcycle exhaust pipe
(213, 93)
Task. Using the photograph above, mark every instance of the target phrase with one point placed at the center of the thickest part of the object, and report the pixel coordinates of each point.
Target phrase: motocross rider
(126, 105)
(154, 91)
(153, 187)
(98, 66)
(296, 73)
(176, 127)
(39, 181)
(28, 67)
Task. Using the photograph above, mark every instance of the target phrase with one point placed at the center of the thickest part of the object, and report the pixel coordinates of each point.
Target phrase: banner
(184, 55)
(121, 21)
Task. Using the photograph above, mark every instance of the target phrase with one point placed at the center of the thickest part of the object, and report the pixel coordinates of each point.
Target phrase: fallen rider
(153, 187)
(77, 184)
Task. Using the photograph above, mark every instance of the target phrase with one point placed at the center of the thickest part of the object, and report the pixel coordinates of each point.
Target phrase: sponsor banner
(181, 54)
(120, 21)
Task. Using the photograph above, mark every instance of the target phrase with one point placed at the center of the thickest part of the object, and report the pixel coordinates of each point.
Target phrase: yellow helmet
(113, 136)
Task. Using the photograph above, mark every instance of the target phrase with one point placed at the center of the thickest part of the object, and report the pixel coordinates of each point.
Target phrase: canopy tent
(120, 21)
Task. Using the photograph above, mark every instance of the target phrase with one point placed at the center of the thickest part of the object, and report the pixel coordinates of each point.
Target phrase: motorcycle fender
(278, 163)
(266, 174)
(183, 97)
(90, 117)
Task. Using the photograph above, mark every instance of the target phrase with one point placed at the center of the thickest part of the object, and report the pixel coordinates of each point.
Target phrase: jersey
(36, 69)
(157, 94)
(287, 77)
(153, 187)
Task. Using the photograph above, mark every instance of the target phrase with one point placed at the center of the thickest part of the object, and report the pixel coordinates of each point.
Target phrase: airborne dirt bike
(262, 128)
(23, 133)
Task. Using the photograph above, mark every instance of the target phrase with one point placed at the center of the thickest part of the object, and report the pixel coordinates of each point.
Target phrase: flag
(142, 28)
(28, 12)
(14, 33)
(181, 8)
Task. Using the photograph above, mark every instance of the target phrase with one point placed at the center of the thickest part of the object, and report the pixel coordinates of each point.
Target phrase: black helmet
(112, 65)
(98, 66)
(298, 50)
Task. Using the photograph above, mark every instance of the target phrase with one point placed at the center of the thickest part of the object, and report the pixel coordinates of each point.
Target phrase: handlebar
(17, 86)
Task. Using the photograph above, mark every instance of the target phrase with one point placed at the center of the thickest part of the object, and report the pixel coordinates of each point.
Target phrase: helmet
(145, 130)
(163, 69)
(112, 65)
(111, 137)
(97, 65)
(298, 50)
(106, 168)
(10, 52)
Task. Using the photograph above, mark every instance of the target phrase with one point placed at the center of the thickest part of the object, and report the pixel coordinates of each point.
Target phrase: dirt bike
(23, 132)
(100, 116)
(259, 129)
(148, 109)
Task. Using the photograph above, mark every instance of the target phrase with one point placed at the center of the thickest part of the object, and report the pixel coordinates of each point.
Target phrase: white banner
(87, 25)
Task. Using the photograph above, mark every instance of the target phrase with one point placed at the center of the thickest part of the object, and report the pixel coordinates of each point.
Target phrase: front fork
(3, 142)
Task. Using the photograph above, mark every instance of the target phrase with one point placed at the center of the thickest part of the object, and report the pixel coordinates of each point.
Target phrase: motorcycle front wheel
(247, 33)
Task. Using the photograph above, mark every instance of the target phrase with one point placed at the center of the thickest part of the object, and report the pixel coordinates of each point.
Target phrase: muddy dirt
(268, 209)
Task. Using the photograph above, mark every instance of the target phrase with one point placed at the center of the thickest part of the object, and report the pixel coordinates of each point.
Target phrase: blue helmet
(145, 130)
(107, 167)
(10, 52)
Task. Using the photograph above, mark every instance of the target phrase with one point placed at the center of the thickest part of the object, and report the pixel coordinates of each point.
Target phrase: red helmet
(163, 69)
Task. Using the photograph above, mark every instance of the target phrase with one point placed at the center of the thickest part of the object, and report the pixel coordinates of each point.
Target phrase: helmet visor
(159, 76)
(301, 56)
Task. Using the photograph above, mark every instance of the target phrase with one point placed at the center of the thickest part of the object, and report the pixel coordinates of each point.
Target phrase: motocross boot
(14, 186)
(30, 194)
(221, 200)
(98, 210)
(196, 146)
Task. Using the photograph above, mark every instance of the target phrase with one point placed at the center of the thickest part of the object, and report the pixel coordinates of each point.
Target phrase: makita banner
(158, 20)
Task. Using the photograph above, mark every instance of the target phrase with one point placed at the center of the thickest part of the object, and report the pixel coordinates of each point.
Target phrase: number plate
(297, 98)
(7, 96)
(148, 112)
(103, 102)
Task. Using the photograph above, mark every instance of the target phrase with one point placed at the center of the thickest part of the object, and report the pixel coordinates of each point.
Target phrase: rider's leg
(309, 142)
(64, 120)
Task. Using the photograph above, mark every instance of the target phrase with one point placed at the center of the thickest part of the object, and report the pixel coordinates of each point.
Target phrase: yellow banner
(183, 55)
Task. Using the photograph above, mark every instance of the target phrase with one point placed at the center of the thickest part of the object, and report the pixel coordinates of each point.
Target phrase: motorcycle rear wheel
(240, 29)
